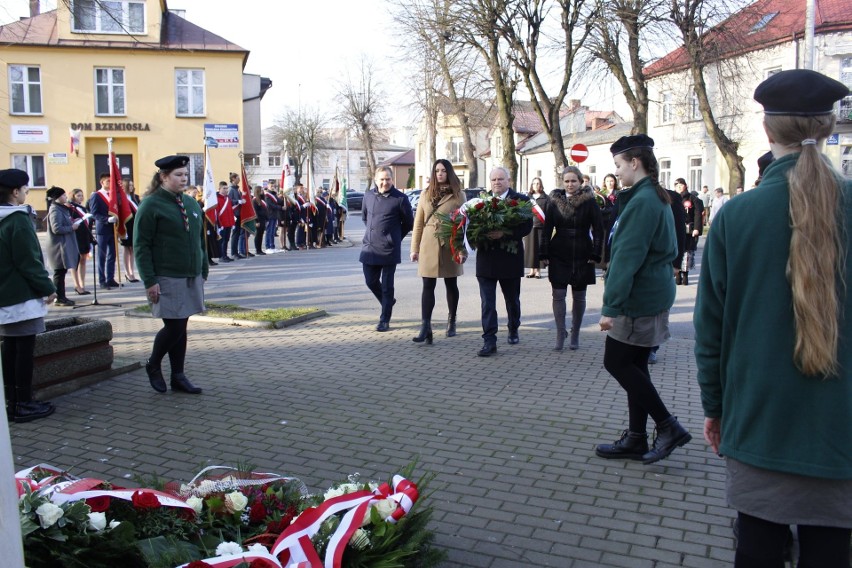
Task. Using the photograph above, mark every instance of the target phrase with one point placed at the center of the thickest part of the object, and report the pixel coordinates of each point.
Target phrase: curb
(243, 323)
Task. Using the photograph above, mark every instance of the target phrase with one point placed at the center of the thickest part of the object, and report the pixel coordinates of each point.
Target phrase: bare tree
(692, 18)
(474, 22)
(301, 132)
(523, 29)
(363, 105)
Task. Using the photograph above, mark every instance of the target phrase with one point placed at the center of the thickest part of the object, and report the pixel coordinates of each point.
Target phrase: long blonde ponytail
(818, 245)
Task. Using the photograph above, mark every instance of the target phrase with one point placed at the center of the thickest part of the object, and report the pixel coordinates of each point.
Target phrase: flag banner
(211, 197)
(119, 205)
(342, 199)
(286, 172)
(247, 214)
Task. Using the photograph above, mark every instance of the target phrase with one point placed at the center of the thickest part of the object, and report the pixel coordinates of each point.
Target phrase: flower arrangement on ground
(467, 227)
(237, 519)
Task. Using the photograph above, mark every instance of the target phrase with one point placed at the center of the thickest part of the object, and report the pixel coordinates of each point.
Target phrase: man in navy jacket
(387, 219)
(497, 265)
(105, 231)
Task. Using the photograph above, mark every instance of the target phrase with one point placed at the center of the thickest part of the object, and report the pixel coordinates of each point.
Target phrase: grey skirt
(179, 297)
(648, 331)
(787, 498)
(22, 328)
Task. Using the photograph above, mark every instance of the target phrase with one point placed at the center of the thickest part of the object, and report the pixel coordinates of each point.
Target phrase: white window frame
(667, 108)
(362, 161)
(252, 160)
(190, 88)
(104, 19)
(111, 86)
(274, 160)
(696, 169)
(456, 150)
(665, 173)
(26, 162)
(844, 110)
(694, 110)
(27, 86)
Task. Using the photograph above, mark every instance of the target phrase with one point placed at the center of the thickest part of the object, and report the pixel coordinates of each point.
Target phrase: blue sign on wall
(833, 140)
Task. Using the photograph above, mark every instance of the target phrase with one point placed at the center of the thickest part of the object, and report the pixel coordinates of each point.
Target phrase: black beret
(799, 92)
(55, 192)
(14, 178)
(172, 162)
(626, 143)
(763, 162)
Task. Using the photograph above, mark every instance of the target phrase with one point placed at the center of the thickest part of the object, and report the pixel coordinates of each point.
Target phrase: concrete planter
(73, 353)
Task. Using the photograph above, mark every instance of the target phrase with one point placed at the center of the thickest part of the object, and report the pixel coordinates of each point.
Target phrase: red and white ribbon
(539, 212)
(230, 560)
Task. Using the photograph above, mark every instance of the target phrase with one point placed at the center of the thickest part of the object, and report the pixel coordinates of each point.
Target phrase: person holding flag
(532, 242)
(248, 216)
(99, 207)
(172, 261)
(569, 251)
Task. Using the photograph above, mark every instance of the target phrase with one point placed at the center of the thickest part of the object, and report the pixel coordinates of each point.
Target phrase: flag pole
(118, 219)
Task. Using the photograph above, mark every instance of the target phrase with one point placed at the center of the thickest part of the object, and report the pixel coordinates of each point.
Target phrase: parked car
(414, 198)
(472, 192)
(354, 199)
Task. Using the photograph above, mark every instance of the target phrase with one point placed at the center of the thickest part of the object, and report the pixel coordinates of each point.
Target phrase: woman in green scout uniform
(773, 336)
(638, 294)
(24, 285)
(168, 241)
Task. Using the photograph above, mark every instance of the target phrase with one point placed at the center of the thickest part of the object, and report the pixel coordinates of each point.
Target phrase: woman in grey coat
(62, 251)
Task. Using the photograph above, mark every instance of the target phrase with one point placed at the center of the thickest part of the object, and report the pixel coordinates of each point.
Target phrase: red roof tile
(758, 26)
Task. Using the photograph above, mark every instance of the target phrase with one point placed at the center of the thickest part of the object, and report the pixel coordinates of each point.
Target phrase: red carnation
(479, 205)
(98, 504)
(198, 564)
(257, 513)
(513, 203)
(262, 563)
(145, 500)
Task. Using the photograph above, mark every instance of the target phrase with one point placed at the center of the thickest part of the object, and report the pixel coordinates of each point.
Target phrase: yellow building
(129, 70)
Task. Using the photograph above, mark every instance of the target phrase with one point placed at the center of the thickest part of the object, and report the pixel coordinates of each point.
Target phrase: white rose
(236, 501)
(384, 508)
(360, 540)
(114, 524)
(226, 548)
(343, 489)
(97, 521)
(48, 513)
(197, 503)
(258, 548)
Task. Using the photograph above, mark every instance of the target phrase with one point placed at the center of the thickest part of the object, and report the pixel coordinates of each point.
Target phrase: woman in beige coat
(444, 195)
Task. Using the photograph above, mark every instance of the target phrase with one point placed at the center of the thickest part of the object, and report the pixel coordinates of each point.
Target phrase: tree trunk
(505, 116)
(367, 141)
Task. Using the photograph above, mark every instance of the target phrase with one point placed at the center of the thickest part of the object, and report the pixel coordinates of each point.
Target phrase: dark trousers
(223, 244)
(628, 364)
(258, 237)
(171, 340)
(271, 225)
(291, 236)
(301, 240)
(17, 358)
(59, 282)
(511, 288)
(237, 242)
(379, 279)
(213, 248)
(106, 258)
(760, 544)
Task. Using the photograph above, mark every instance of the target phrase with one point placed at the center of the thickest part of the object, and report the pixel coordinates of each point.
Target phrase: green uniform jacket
(639, 280)
(773, 416)
(162, 245)
(23, 275)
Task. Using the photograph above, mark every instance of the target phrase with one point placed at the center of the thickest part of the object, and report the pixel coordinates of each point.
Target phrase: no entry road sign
(579, 153)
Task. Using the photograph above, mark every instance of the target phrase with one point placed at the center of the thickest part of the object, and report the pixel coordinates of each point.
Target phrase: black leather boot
(559, 309)
(679, 278)
(631, 446)
(181, 383)
(155, 377)
(686, 278)
(578, 308)
(670, 435)
(451, 325)
(425, 333)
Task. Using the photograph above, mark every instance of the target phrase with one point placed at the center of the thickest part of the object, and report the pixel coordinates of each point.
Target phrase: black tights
(760, 544)
(170, 340)
(628, 364)
(427, 298)
(17, 359)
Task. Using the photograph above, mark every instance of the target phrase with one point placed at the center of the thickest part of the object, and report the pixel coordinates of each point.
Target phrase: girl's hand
(153, 293)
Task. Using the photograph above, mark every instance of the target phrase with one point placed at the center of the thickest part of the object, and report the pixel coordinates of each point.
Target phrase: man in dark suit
(387, 219)
(497, 265)
(105, 231)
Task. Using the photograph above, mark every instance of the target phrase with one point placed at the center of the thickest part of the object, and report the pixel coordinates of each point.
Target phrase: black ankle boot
(631, 446)
(686, 278)
(670, 435)
(425, 333)
(679, 279)
(451, 325)
(155, 376)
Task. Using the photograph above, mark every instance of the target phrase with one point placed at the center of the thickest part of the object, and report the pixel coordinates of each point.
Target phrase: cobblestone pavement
(510, 437)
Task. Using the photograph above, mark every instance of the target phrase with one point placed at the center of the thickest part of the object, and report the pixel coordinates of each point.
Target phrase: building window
(845, 110)
(252, 159)
(665, 173)
(456, 153)
(275, 160)
(102, 16)
(695, 180)
(593, 178)
(25, 87)
(33, 165)
(362, 161)
(326, 183)
(189, 92)
(694, 110)
(667, 114)
(195, 167)
(109, 91)
(773, 71)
